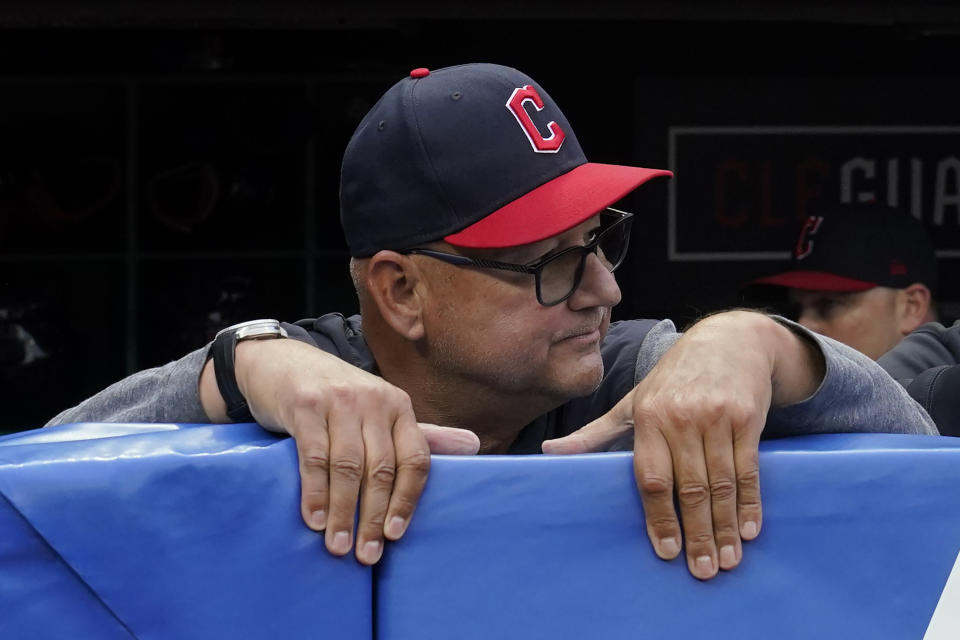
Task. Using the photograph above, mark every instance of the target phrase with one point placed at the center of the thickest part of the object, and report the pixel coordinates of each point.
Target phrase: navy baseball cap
(477, 155)
(858, 247)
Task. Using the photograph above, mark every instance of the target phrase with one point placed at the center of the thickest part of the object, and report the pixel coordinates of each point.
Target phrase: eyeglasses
(558, 274)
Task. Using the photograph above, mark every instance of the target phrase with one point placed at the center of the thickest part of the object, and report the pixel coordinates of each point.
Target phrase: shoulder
(927, 363)
(932, 345)
(337, 335)
(938, 390)
(626, 336)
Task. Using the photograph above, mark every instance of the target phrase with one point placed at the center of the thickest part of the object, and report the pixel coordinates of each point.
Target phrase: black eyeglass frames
(558, 274)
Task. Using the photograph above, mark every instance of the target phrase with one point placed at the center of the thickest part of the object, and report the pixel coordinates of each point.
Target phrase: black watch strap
(223, 351)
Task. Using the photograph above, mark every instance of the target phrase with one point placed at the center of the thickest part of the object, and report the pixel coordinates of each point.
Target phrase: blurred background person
(862, 274)
(927, 364)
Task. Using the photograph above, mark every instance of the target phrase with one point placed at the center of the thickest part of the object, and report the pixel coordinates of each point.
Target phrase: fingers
(450, 440)
(693, 497)
(378, 484)
(705, 491)
(722, 478)
(733, 487)
(654, 473)
(714, 473)
(346, 474)
(396, 469)
(379, 457)
(313, 452)
(597, 435)
(749, 509)
(413, 465)
(357, 441)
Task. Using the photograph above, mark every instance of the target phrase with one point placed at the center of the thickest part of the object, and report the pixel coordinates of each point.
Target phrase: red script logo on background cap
(804, 243)
(898, 268)
(539, 143)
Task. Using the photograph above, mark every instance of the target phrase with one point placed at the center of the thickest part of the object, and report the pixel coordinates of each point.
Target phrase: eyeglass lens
(560, 277)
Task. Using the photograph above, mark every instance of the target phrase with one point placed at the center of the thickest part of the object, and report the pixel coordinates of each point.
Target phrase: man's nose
(598, 287)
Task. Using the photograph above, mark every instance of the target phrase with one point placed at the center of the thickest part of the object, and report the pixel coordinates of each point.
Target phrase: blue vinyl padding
(194, 531)
(40, 596)
(175, 532)
(859, 536)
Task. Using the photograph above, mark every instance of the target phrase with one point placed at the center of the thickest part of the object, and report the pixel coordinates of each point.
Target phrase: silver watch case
(263, 329)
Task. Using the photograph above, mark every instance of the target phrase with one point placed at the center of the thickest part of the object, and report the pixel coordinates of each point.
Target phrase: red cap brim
(815, 281)
(555, 206)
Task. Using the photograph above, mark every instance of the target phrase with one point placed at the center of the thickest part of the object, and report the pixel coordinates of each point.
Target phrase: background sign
(741, 192)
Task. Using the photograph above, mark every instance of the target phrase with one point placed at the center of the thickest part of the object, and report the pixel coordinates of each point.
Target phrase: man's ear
(915, 302)
(393, 281)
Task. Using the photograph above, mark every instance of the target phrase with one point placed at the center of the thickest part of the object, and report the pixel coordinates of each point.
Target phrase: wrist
(247, 355)
(224, 354)
(210, 399)
(744, 328)
(792, 359)
(799, 365)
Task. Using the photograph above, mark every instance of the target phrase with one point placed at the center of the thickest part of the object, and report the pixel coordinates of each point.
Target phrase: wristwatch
(223, 351)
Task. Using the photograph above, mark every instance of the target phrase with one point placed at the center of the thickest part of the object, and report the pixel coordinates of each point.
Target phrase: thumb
(595, 436)
(450, 440)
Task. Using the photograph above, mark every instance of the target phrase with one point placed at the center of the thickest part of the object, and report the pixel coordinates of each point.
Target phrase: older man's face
(865, 320)
(487, 326)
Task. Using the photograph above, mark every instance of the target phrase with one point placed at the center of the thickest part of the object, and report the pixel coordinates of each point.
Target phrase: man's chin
(585, 383)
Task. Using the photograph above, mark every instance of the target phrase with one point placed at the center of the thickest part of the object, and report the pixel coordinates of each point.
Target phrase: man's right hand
(356, 436)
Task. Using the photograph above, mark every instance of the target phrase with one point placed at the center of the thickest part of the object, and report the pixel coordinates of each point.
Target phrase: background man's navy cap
(858, 247)
(477, 155)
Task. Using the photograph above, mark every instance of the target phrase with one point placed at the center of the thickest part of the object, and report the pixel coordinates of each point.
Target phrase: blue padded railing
(194, 531)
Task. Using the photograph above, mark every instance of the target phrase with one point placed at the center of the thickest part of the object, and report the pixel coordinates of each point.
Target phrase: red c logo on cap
(898, 268)
(539, 143)
(804, 243)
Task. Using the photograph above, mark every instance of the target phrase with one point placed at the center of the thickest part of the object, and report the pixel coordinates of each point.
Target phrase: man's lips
(587, 332)
(584, 334)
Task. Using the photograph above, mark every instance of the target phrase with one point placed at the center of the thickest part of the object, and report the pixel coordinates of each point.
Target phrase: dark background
(169, 168)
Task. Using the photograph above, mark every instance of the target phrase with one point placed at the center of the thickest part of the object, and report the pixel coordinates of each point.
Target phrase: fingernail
(669, 547)
(705, 565)
(749, 530)
(728, 556)
(318, 519)
(371, 551)
(395, 527)
(341, 542)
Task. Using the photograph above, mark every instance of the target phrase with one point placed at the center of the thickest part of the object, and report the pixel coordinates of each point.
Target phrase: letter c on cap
(516, 105)
(805, 242)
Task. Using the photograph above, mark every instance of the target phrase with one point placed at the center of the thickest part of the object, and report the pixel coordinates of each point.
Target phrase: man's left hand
(697, 419)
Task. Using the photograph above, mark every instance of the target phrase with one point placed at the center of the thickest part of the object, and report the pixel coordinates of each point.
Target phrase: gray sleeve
(932, 345)
(856, 395)
(165, 394)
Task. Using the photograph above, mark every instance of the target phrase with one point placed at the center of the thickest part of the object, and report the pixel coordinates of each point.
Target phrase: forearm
(856, 395)
(163, 394)
(794, 362)
(853, 393)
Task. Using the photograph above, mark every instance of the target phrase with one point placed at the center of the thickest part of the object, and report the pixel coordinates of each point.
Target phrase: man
(927, 363)
(862, 274)
(483, 253)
